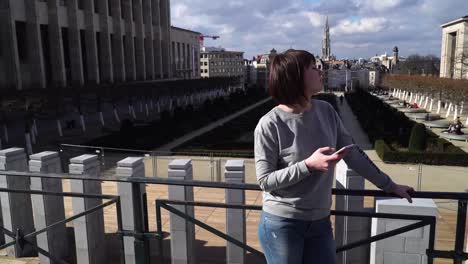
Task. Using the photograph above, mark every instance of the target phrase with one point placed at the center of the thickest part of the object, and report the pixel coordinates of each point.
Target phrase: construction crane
(202, 38)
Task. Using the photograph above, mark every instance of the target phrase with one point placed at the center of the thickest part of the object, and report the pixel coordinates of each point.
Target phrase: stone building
(388, 61)
(454, 54)
(185, 53)
(75, 42)
(218, 62)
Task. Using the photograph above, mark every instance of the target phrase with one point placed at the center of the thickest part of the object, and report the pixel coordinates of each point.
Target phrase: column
(165, 36)
(105, 56)
(16, 207)
(129, 47)
(8, 43)
(56, 45)
(149, 50)
(89, 229)
(157, 46)
(132, 203)
(235, 218)
(182, 231)
(36, 62)
(48, 209)
(140, 44)
(92, 61)
(347, 228)
(409, 247)
(74, 43)
(116, 42)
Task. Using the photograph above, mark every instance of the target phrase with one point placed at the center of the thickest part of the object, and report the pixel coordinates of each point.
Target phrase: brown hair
(286, 80)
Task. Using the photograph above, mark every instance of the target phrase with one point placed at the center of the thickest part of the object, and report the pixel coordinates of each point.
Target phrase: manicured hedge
(456, 157)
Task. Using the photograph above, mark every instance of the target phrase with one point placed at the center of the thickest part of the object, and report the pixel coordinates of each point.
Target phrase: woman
(294, 167)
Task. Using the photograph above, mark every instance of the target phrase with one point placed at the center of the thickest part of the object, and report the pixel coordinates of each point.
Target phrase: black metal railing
(142, 235)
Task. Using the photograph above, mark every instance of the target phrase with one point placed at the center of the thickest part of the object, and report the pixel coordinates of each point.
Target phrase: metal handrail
(458, 255)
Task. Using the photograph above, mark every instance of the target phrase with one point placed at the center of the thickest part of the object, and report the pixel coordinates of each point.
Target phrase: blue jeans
(293, 241)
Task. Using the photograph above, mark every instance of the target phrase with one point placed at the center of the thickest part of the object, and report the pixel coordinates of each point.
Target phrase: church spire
(326, 50)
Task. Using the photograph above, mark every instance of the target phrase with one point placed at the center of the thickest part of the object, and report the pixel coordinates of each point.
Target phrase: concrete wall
(461, 29)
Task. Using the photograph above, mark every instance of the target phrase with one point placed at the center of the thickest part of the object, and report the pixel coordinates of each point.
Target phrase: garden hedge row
(456, 157)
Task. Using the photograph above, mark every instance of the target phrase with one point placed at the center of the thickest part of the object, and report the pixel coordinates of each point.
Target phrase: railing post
(89, 229)
(16, 207)
(132, 197)
(48, 209)
(409, 247)
(460, 230)
(235, 218)
(348, 228)
(182, 231)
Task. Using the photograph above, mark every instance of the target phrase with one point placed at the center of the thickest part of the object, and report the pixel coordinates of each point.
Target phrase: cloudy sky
(358, 28)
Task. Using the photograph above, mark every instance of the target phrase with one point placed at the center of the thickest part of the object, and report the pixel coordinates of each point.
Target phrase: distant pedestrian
(295, 165)
(341, 99)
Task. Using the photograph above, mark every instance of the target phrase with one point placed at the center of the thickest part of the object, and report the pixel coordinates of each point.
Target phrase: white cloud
(362, 26)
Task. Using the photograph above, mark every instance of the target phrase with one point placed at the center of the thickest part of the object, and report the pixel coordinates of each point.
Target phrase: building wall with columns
(185, 53)
(454, 49)
(74, 42)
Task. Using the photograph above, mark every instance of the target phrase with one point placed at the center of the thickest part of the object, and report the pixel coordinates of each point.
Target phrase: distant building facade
(250, 71)
(454, 53)
(218, 62)
(389, 62)
(185, 53)
(61, 43)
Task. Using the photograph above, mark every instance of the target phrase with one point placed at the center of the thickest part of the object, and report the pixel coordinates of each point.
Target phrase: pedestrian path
(177, 142)
(352, 124)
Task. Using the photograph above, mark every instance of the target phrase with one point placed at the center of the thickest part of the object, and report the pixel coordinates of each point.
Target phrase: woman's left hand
(403, 191)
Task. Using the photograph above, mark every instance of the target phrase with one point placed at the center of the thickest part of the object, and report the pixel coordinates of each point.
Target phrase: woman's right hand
(322, 162)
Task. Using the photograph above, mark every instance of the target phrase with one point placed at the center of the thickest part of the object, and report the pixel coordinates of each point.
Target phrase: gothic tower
(326, 50)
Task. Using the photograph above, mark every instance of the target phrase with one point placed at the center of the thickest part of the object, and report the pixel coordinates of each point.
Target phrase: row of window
(220, 56)
(110, 11)
(221, 70)
(215, 63)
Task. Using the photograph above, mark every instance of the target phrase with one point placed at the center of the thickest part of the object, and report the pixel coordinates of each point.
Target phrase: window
(81, 4)
(21, 41)
(96, 6)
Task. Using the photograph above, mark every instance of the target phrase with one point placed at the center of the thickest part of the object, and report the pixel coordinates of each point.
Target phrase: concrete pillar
(426, 101)
(16, 207)
(432, 104)
(156, 18)
(140, 44)
(149, 50)
(105, 56)
(235, 218)
(438, 107)
(132, 204)
(182, 231)
(116, 42)
(36, 64)
(165, 36)
(48, 209)
(56, 44)
(89, 229)
(410, 98)
(74, 43)
(347, 228)
(409, 247)
(9, 45)
(92, 62)
(129, 47)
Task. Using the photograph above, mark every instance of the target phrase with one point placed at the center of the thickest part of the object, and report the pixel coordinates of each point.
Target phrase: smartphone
(345, 148)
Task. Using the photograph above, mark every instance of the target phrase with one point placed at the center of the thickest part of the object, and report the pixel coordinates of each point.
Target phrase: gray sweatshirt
(284, 140)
